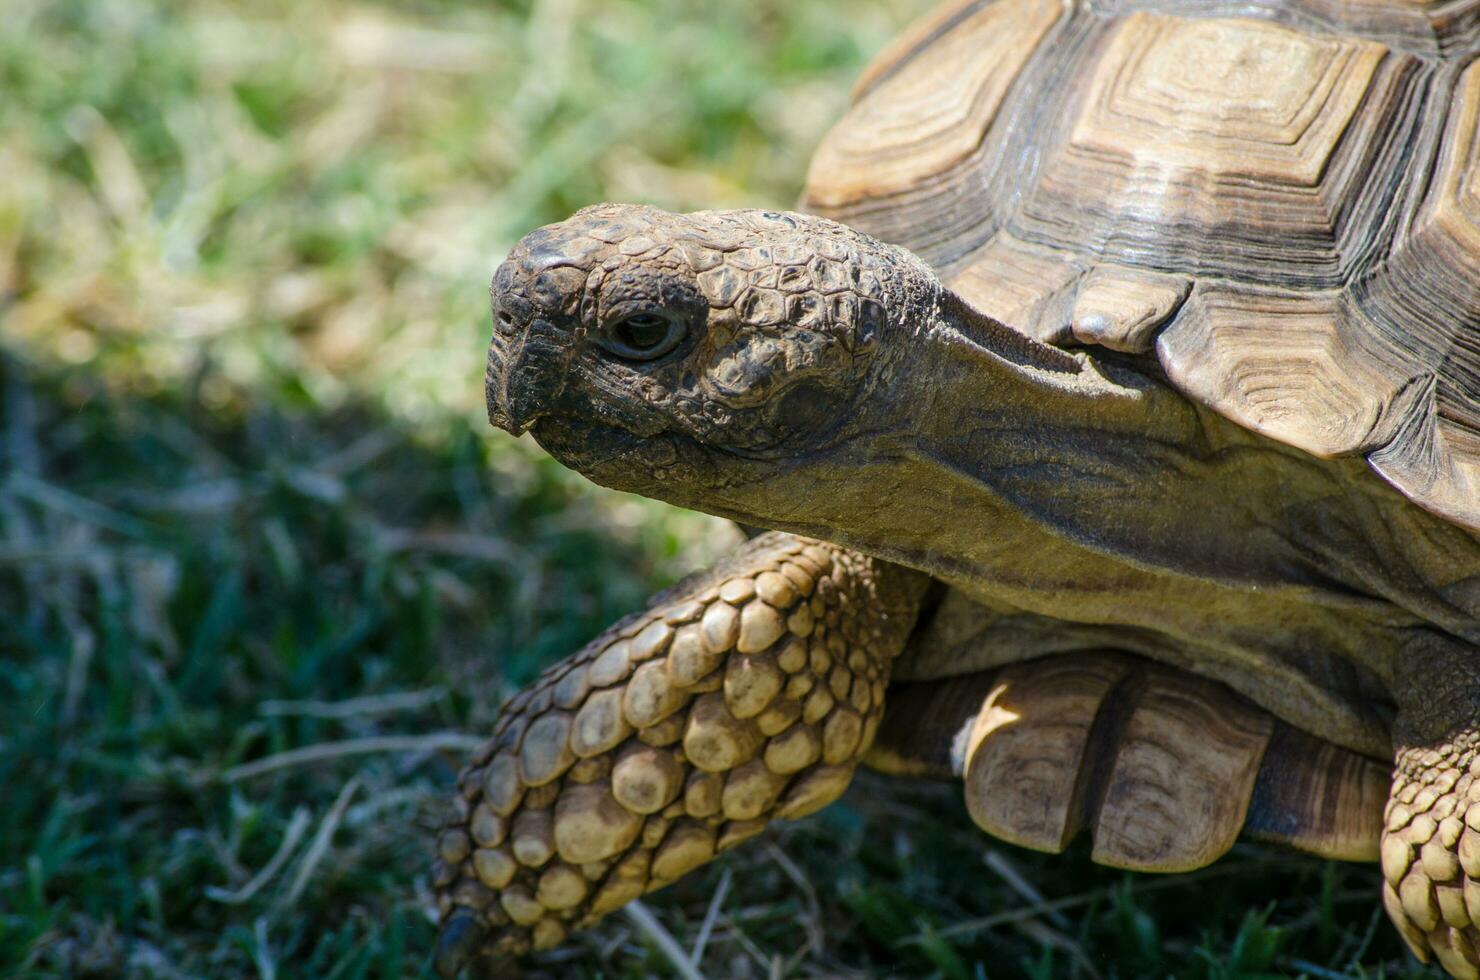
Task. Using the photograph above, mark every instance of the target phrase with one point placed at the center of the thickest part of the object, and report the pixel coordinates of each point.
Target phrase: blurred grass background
(265, 573)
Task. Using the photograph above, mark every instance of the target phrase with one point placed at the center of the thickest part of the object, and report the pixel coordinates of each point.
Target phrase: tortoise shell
(1281, 200)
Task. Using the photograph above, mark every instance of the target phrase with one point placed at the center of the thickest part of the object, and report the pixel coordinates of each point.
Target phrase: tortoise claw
(462, 936)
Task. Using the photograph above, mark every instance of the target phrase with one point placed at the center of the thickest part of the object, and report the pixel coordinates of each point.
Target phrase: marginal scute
(932, 111)
(1183, 775)
(1162, 766)
(1026, 285)
(1322, 799)
(1121, 308)
(1026, 750)
(1426, 297)
(1306, 369)
(911, 41)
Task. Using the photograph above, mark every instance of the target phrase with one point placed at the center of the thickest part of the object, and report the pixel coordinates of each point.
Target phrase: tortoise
(1113, 404)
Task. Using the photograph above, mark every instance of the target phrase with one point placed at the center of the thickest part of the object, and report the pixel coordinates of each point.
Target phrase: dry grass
(263, 572)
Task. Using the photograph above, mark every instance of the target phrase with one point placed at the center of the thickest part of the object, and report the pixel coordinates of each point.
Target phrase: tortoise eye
(644, 336)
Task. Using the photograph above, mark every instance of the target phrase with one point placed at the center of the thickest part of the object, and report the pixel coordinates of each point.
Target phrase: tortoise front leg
(1431, 828)
(746, 693)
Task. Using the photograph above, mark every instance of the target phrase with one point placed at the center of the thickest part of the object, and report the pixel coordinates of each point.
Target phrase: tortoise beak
(524, 377)
(502, 412)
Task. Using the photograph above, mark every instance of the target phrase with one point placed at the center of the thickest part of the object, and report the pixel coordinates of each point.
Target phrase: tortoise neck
(964, 416)
(1002, 396)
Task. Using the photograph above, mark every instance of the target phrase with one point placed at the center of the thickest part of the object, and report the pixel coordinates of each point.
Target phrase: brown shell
(1163, 768)
(1280, 198)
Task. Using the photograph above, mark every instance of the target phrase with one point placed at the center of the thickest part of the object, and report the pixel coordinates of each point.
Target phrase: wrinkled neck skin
(1083, 503)
(967, 424)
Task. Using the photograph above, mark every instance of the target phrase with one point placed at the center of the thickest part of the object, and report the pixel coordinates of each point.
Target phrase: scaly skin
(745, 695)
(1431, 827)
(813, 380)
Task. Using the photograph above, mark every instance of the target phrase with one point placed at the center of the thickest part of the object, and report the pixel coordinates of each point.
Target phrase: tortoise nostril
(505, 321)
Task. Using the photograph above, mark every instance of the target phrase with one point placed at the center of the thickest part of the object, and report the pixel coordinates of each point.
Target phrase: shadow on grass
(242, 648)
(184, 590)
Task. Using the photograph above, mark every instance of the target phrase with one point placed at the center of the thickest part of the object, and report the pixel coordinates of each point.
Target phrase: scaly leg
(744, 694)
(1431, 829)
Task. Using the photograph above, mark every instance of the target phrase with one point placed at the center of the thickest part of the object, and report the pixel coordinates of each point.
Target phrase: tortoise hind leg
(743, 694)
(1431, 828)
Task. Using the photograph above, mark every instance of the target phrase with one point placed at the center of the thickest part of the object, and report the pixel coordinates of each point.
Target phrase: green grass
(248, 507)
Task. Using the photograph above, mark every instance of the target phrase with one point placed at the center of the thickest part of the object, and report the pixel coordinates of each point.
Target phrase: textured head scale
(636, 344)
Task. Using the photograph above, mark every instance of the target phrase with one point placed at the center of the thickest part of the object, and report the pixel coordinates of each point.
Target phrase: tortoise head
(678, 355)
